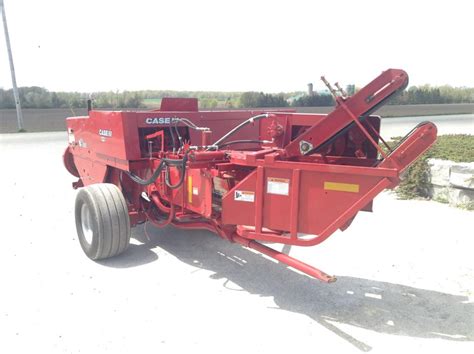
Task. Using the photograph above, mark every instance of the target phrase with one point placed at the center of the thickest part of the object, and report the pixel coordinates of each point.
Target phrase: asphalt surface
(405, 279)
(447, 124)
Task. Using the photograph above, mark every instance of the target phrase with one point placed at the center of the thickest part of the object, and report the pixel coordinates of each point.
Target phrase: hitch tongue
(284, 258)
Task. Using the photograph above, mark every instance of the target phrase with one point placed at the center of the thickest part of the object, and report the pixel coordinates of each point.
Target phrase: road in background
(405, 279)
(447, 124)
(38, 120)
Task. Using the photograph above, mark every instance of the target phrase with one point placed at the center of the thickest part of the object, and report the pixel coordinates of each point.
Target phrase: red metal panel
(102, 136)
(90, 171)
(220, 122)
(414, 145)
(241, 211)
(321, 206)
(198, 195)
(291, 122)
(317, 204)
(277, 210)
(179, 104)
(361, 103)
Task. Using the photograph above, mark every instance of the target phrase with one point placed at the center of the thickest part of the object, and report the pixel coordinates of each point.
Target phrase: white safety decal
(280, 186)
(244, 196)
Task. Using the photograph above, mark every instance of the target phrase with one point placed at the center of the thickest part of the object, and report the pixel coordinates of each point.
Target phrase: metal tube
(206, 155)
(206, 136)
(19, 114)
(328, 85)
(240, 126)
(159, 204)
(168, 220)
(283, 258)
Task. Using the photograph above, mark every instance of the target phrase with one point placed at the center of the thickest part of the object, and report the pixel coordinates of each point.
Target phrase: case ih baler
(246, 175)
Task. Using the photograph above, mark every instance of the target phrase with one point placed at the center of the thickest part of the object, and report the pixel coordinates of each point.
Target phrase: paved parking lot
(405, 279)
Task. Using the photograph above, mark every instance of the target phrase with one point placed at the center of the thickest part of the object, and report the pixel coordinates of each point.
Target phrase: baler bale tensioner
(274, 176)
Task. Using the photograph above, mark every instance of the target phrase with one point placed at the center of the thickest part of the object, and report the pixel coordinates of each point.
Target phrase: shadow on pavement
(134, 256)
(374, 305)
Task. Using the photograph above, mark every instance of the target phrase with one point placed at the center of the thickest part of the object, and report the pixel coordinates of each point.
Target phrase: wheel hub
(86, 223)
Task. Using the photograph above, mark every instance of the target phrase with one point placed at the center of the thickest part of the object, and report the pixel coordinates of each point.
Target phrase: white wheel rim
(86, 223)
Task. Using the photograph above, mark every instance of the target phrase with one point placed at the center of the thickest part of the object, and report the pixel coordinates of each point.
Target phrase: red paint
(273, 192)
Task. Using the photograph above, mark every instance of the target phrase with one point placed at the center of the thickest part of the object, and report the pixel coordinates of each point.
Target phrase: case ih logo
(160, 120)
(105, 132)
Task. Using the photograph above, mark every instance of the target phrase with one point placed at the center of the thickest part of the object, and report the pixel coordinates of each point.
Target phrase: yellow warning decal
(341, 187)
(190, 189)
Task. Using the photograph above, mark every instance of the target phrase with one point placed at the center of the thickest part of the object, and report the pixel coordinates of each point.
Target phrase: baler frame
(308, 177)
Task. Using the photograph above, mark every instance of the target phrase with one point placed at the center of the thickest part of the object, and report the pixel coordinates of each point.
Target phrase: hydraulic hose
(146, 182)
(165, 163)
(187, 123)
(238, 127)
(172, 138)
(165, 222)
(181, 176)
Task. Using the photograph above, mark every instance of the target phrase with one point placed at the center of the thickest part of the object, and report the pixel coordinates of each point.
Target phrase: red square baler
(246, 175)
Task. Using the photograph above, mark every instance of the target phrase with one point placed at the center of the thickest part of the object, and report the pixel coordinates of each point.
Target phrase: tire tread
(113, 223)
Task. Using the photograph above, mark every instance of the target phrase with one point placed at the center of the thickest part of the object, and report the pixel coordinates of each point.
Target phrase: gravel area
(405, 279)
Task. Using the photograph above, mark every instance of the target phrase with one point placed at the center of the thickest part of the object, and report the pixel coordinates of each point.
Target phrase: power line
(19, 114)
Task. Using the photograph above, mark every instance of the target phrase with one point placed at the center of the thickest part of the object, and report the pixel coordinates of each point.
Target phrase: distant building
(350, 89)
(291, 99)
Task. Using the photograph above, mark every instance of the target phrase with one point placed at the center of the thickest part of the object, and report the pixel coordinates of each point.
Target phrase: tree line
(38, 97)
(429, 94)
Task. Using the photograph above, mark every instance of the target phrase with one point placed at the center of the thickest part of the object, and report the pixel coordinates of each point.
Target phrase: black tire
(102, 221)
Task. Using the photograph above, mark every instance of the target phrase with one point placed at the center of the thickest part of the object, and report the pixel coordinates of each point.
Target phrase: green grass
(467, 206)
(457, 148)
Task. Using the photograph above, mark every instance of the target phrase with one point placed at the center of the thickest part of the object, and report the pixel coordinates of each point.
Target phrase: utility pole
(19, 114)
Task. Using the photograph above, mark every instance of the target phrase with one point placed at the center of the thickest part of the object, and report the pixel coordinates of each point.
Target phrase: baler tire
(102, 221)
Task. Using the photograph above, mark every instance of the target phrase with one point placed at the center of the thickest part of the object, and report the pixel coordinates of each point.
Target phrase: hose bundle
(164, 164)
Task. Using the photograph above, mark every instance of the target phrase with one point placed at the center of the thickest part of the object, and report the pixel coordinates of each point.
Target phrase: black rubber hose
(175, 162)
(180, 140)
(190, 124)
(172, 137)
(181, 177)
(180, 182)
(150, 180)
(164, 163)
(240, 126)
